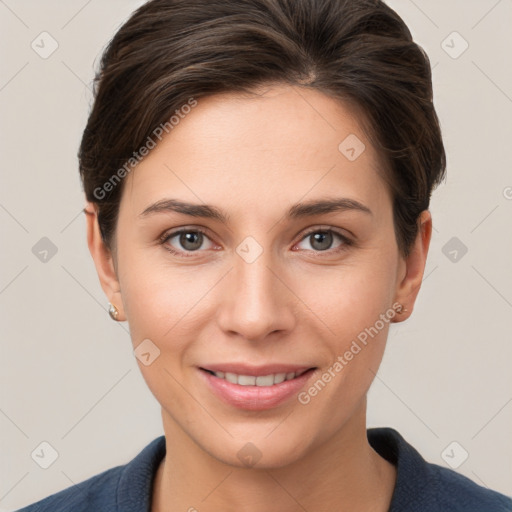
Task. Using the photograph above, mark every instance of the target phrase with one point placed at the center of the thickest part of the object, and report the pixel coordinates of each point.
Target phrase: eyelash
(347, 242)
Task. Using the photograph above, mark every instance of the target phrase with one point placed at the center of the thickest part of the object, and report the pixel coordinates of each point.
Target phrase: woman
(258, 176)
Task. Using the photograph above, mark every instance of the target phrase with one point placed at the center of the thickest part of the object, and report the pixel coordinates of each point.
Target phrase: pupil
(322, 238)
(191, 241)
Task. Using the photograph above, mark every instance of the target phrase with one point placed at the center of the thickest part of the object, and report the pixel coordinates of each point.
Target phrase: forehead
(276, 146)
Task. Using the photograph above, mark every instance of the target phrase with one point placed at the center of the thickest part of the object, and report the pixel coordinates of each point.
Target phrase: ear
(103, 260)
(412, 268)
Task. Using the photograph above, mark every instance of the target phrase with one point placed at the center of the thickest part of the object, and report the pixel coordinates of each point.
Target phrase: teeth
(246, 380)
(264, 380)
(279, 377)
(231, 377)
(251, 380)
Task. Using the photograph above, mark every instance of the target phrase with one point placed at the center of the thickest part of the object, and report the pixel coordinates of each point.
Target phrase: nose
(255, 300)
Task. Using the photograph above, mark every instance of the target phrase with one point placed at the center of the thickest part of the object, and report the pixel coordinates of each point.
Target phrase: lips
(255, 387)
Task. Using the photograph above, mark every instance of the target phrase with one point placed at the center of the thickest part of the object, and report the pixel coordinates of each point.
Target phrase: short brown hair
(359, 51)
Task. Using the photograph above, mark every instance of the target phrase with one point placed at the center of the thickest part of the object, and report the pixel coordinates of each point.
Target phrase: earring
(402, 310)
(113, 312)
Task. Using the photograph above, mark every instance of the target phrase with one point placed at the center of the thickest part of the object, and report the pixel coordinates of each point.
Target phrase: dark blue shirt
(420, 486)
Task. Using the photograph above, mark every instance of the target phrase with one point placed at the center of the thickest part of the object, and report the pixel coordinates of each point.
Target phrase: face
(254, 284)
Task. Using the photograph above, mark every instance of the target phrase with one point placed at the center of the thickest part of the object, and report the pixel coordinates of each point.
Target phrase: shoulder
(126, 487)
(457, 492)
(97, 491)
(426, 487)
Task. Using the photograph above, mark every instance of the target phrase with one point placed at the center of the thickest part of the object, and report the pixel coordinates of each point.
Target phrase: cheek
(353, 309)
(348, 298)
(163, 302)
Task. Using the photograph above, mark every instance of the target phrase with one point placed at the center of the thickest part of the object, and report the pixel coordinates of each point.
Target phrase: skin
(254, 157)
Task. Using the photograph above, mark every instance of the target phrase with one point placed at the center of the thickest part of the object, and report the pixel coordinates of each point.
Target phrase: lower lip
(255, 398)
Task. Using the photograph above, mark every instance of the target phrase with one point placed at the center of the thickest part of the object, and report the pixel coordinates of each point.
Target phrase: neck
(344, 473)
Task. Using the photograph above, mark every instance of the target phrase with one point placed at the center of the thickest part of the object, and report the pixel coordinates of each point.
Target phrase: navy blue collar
(135, 487)
(420, 486)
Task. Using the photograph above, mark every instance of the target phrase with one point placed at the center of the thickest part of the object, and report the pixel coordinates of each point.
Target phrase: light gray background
(68, 375)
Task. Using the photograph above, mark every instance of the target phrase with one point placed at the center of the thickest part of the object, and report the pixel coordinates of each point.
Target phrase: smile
(260, 380)
(245, 390)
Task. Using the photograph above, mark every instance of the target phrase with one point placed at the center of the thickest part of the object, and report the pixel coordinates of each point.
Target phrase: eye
(188, 240)
(185, 240)
(321, 240)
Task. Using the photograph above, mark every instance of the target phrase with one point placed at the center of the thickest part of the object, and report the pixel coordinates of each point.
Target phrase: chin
(263, 450)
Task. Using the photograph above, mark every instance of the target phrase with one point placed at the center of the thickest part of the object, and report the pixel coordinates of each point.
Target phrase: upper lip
(256, 371)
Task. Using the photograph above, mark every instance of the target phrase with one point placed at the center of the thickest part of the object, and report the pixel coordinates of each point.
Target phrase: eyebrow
(297, 211)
